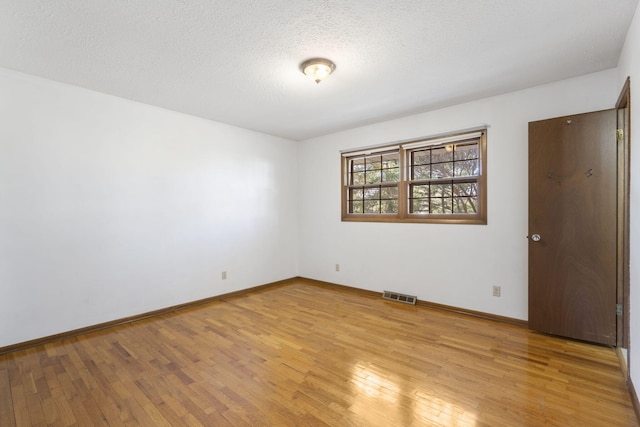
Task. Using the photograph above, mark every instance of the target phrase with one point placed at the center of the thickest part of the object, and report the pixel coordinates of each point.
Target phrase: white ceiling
(237, 61)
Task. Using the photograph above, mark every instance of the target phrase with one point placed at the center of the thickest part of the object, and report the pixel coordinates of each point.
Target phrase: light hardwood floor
(306, 355)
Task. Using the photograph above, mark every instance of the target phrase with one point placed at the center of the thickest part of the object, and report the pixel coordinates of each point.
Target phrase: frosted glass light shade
(317, 68)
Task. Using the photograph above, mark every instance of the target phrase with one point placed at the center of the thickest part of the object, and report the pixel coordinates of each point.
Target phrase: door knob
(536, 238)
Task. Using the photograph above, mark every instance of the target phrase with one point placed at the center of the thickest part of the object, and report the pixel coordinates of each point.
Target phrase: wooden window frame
(404, 149)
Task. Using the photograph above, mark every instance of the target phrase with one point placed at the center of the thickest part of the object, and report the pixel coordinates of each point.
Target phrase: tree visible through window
(432, 180)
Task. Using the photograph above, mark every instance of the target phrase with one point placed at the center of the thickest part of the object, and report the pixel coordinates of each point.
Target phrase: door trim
(623, 112)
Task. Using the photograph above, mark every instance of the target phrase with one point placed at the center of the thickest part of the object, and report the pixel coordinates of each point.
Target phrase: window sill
(430, 219)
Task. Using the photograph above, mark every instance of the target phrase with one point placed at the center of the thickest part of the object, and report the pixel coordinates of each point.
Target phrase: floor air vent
(394, 296)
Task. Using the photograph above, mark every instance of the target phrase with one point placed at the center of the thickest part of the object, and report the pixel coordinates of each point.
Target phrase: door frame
(623, 114)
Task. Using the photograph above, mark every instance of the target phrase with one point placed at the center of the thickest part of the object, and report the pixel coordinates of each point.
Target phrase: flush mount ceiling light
(317, 68)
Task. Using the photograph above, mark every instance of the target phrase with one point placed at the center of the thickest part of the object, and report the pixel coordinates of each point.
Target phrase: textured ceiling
(237, 62)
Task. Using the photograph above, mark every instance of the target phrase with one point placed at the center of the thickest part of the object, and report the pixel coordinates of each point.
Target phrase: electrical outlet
(337, 267)
(224, 275)
(496, 291)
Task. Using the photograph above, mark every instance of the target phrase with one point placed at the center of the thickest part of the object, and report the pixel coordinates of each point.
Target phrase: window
(374, 182)
(440, 179)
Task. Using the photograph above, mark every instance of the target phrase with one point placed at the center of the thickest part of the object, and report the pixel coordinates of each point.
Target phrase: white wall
(455, 265)
(629, 65)
(110, 208)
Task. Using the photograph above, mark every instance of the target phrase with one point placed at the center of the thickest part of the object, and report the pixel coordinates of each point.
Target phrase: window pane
(391, 161)
(421, 157)
(357, 207)
(372, 193)
(442, 154)
(356, 194)
(466, 151)
(391, 175)
(372, 206)
(465, 189)
(467, 168)
(440, 190)
(465, 205)
(374, 163)
(357, 165)
(419, 199)
(389, 193)
(390, 206)
(421, 172)
(390, 165)
(447, 205)
(436, 206)
(420, 206)
(373, 177)
(419, 191)
(357, 178)
(440, 206)
(442, 170)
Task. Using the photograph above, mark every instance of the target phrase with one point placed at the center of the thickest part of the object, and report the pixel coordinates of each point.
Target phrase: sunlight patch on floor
(379, 395)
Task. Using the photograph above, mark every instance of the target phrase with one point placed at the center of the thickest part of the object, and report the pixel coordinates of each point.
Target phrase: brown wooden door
(572, 207)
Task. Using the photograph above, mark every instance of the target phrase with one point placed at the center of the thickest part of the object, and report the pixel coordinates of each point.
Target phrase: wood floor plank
(303, 354)
(7, 416)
